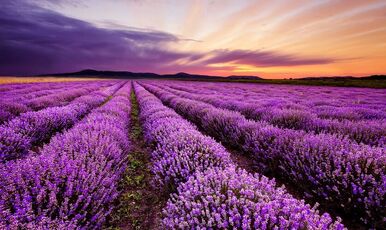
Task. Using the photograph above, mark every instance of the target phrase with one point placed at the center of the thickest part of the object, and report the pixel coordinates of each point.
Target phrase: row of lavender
(327, 102)
(369, 127)
(30, 87)
(73, 181)
(209, 191)
(347, 176)
(26, 88)
(15, 102)
(21, 133)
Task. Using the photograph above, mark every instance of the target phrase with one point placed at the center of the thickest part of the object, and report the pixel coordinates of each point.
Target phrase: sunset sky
(271, 39)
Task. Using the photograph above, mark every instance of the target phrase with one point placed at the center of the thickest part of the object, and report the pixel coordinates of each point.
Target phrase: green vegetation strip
(139, 205)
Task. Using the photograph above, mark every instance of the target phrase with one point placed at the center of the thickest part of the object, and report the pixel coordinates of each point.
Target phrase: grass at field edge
(360, 83)
(23, 80)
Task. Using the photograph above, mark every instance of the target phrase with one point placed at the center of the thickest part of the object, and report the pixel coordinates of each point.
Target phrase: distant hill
(374, 81)
(133, 75)
(105, 74)
(376, 77)
(186, 76)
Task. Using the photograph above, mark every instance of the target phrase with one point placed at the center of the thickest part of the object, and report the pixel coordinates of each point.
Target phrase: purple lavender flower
(73, 182)
(233, 198)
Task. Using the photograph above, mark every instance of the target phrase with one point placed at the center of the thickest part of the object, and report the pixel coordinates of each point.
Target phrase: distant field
(366, 83)
(7, 80)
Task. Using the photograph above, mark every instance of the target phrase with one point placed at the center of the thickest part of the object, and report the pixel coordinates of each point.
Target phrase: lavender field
(160, 154)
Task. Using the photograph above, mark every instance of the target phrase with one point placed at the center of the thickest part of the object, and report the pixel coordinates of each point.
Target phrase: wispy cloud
(263, 58)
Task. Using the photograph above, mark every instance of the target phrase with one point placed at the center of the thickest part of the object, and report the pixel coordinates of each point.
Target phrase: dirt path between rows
(140, 205)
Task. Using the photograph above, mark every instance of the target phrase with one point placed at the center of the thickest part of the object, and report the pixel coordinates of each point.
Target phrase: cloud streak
(263, 58)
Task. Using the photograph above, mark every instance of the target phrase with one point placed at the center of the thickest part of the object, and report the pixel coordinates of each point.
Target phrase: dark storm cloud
(35, 40)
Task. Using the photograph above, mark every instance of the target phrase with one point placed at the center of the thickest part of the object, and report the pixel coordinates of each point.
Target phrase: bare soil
(140, 204)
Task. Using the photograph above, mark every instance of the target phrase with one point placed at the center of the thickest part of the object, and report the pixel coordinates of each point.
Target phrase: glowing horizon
(270, 39)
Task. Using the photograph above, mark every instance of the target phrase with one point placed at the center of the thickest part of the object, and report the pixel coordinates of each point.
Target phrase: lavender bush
(180, 149)
(40, 96)
(182, 154)
(64, 149)
(234, 199)
(346, 175)
(369, 128)
(74, 180)
(37, 127)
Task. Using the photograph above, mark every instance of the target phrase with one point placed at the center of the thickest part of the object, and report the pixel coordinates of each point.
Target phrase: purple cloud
(35, 40)
(262, 58)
